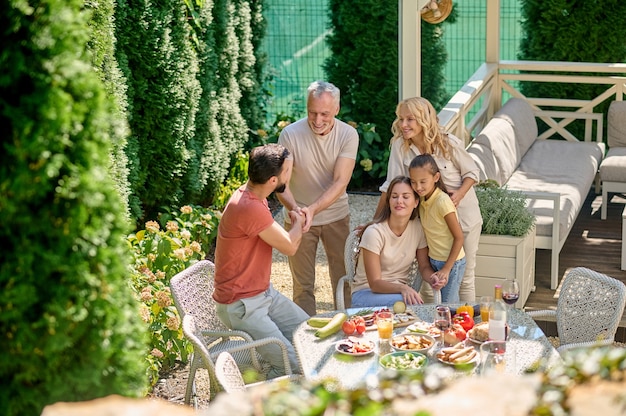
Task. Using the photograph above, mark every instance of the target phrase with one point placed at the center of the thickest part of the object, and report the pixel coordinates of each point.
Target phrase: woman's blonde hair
(425, 115)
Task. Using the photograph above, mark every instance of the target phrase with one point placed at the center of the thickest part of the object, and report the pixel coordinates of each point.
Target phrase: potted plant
(506, 248)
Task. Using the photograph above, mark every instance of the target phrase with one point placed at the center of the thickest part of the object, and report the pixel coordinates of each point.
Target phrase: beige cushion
(480, 151)
(571, 174)
(520, 115)
(613, 167)
(500, 136)
(616, 120)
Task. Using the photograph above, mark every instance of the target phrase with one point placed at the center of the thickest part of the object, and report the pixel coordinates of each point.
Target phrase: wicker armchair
(229, 375)
(351, 255)
(589, 309)
(192, 291)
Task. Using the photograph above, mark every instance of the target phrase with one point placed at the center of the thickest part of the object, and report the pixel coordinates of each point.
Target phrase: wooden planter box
(504, 257)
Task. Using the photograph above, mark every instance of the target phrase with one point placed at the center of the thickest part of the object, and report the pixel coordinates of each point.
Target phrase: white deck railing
(483, 94)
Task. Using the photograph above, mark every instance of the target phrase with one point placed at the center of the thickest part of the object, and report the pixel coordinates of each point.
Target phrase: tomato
(464, 319)
(360, 327)
(359, 324)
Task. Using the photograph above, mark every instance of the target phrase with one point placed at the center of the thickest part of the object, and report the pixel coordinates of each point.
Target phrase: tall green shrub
(102, 48)
(364, 60)
(191, 71)
(70, 326)
(221, 130)
(233, 128)
(576, 31)
(157, 57)
(253, 63)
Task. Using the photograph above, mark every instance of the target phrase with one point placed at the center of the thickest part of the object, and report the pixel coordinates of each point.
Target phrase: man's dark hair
(265, 162)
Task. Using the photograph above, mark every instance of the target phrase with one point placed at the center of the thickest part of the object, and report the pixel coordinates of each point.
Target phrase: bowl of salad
(404, 361)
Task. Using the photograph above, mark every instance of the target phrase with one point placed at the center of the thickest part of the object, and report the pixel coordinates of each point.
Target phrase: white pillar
(409, 40)
(493, 32)
(492, 51)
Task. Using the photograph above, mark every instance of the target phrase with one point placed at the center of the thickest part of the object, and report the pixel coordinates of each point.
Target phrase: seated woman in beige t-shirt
(388, 247)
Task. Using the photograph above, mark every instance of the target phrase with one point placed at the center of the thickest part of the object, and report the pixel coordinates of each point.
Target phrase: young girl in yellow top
(441, 226)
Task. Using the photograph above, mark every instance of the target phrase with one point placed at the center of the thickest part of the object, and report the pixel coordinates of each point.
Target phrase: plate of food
(354, 346)
(412, 342)
(458, 355)
(423, 327)
(479, 333)
(404, 361)
(400, 319)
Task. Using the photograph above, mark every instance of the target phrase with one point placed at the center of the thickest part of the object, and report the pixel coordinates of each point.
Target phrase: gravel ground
(172, 385)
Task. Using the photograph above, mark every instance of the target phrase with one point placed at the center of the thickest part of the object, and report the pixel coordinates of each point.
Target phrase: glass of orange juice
(485, 304)
(384, 323)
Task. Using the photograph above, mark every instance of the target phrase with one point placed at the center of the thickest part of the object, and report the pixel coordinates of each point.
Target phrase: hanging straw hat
(439, 14)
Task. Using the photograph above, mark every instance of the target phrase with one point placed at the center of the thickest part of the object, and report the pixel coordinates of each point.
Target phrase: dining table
(320, 359)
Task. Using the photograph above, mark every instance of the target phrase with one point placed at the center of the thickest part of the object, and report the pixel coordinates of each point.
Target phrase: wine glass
(510, 294)
(443, 321)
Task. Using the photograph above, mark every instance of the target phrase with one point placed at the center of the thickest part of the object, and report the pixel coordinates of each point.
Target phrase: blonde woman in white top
(416, 131)
(388, 247)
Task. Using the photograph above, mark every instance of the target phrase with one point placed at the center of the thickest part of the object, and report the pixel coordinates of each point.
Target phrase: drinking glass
(384, 324)
(443, 321)
(497, 357)
(510, 295)
(485, 304)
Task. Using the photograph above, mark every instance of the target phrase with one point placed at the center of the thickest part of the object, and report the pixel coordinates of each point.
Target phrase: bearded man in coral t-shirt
(246, 300)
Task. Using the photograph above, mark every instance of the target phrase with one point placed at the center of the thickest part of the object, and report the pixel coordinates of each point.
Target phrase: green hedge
(69, 323)
(194, 87)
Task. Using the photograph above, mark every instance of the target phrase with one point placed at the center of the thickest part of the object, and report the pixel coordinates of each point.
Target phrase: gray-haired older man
(323, 153)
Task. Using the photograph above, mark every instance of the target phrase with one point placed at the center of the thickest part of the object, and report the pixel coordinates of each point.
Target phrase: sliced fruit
(399, 307)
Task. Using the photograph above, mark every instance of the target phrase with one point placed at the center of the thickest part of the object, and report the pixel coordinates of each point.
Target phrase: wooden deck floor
(592, 243)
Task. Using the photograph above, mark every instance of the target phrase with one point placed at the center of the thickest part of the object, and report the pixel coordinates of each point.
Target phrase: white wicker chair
(589, 309)
(192, 291)
(351, 255)
(229, 375)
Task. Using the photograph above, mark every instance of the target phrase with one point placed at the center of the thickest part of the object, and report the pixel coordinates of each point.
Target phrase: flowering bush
(371, 168)
(159, 253)
(270, 133)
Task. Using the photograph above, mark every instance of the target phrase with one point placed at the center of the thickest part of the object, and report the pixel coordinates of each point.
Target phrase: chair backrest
(228, 373)
(590, 306)
(351, 253)
(192, 291)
